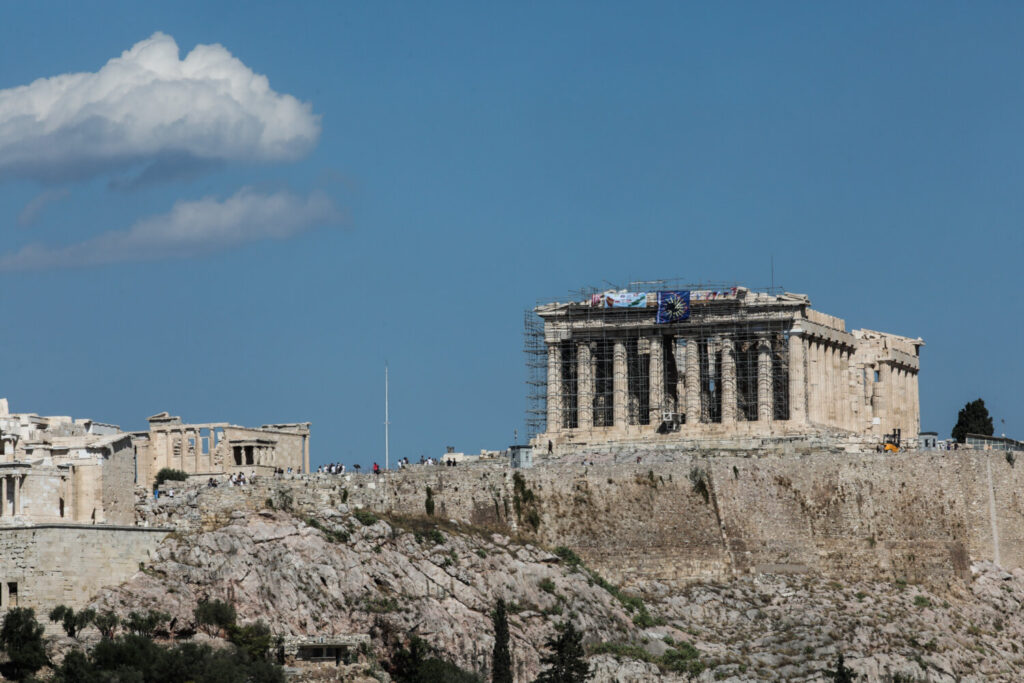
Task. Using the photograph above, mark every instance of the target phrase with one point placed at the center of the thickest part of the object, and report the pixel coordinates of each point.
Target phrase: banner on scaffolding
(712, 295)
(673, 306)
(625, 299)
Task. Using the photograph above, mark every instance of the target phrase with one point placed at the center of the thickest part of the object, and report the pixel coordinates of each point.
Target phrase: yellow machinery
(892, 441)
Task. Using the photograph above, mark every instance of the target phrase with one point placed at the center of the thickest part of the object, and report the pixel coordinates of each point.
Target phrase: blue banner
(673, 307)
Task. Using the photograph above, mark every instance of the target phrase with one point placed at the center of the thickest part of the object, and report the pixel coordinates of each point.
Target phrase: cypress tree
(973, 418)
(501, 669)
(566, 663)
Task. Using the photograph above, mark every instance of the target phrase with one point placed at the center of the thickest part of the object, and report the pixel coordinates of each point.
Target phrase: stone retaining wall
(919, 516)
(53, 564)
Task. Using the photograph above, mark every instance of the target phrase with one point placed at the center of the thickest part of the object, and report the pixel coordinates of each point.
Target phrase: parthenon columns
(656, 374)
(813, 397)
(620, 387)
(764, 381)
(585, 384)
(797, 378)
(554, 387)
(692, 382)
(915, 403)
(831, 367)
(845, 391)
(728, 381)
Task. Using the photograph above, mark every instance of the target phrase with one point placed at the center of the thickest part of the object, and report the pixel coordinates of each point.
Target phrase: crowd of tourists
(401, 464)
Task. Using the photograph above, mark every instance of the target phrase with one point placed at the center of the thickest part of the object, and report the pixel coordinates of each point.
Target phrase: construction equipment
(892, 441)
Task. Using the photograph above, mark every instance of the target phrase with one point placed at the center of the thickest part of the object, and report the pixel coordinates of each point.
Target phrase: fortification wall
(915, 516)
(53, 564)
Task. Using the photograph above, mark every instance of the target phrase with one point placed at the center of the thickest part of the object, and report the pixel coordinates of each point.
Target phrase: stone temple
(686, 361)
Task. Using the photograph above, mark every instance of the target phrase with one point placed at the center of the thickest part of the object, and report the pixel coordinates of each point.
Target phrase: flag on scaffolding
(673, 307)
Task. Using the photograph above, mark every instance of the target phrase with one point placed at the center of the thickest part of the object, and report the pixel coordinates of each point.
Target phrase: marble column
(706, 397)
(915, 401)
(554, 388)
(728, 381)
(813, 381)
(901, 397)
(305, 454)
(844, 388)
(692, 382)
(765, 404)
(168, 451)
(17, 494)
(3, 497)
(585, 381)
(826, 383)
(828, 408)
(797, 378)
(882, 393)
(678, 347)
(656, 383)
(196, 439)
(620, 386)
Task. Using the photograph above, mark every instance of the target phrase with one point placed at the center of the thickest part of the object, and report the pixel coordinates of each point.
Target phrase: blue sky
(411, 177)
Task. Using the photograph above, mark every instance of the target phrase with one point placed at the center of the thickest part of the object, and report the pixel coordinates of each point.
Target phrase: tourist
(376, 468)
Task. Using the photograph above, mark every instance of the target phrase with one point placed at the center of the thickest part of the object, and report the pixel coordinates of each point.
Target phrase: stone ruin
(685, 362)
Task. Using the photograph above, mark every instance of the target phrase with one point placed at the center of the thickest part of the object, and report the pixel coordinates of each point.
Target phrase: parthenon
(707, 362)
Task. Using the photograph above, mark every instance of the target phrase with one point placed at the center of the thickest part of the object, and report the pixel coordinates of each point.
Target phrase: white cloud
(30, 214)
(190, 228)
(148, 107)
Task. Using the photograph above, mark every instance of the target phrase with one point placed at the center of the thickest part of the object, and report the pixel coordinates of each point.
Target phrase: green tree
(145, 623)
(973, 418)
(215, 617)
(137, 659)
(254, 639)
(842, 673)
(170, 474)
(73, 622)
(566, 662)
(501, 661)
(107, 622)
(429, 505)
(417, 664)
(22, 638)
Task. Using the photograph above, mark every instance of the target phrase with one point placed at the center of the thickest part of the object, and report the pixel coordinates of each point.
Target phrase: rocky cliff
(323, 569)
(332, 574)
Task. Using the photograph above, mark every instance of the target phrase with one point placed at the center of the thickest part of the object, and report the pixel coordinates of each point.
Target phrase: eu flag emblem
(673, 307)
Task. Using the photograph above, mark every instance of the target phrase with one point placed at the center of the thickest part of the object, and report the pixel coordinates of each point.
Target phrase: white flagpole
(387, 422)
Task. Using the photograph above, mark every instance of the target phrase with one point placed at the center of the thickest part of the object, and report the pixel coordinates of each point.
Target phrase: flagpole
(387, 422)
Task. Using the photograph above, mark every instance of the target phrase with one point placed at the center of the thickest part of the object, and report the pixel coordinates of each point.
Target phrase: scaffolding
(737, 354)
